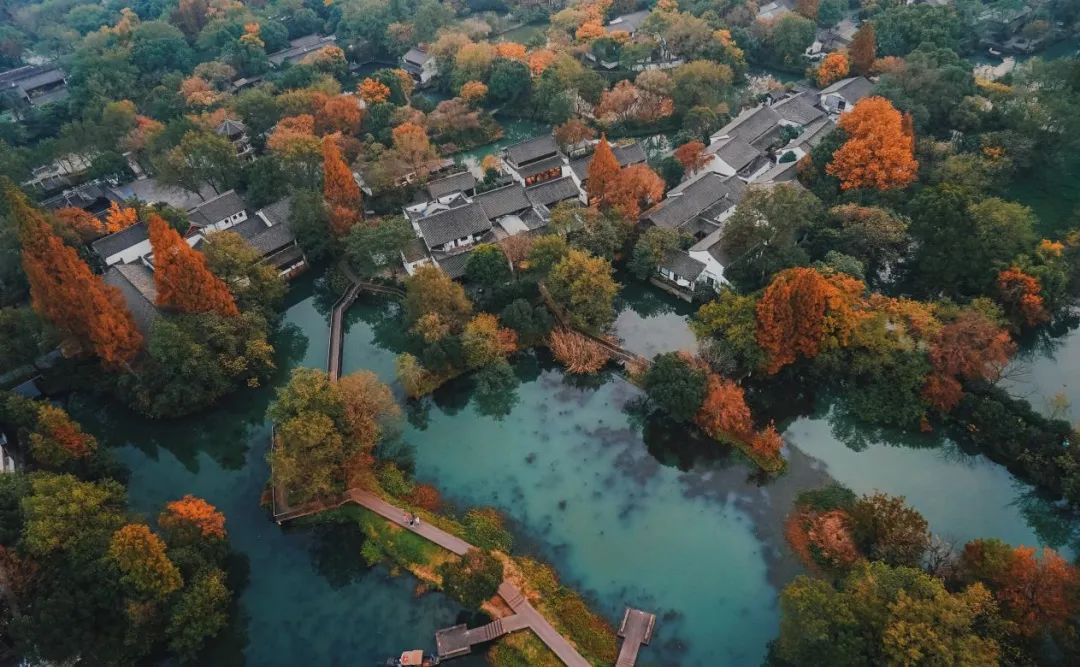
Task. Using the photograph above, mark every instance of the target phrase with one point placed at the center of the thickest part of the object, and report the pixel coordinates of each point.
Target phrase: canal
(631, 510)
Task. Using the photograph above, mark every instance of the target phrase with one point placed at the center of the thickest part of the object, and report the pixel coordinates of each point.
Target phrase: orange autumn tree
(971, 347)
(724, 409)
(373, 91)
(863, 49)
(834, 67)
(412, 145)
(802, 311)
(473, 92)
(58, 439)
(691, 156)
(539, 60)
(64, 290)
(603, 174)
(83, 223)
(183, 281)
(878, 152)
(579, 354)
(1021, 295)
(340, 113)
(120, 218)
(340, 190)
(191, 519)
(638, 184)
(510, 51)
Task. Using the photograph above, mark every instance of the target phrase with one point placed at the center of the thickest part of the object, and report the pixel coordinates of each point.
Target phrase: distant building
(300, 48)
(269, 233)
(625, 154)
(844, 94)
(136, 284)
(236, 133)
(697, 207)
(123, 247)
(628, 23)
(775, 9)
(421, 65)
(536, 160)
(34, 85)
(218, 213)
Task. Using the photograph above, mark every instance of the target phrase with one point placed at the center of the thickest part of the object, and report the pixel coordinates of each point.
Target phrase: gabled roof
(459, 182)
(503, 201)
(783, 171)
(750, 125)
(136, 285)
(798, 109)
(813, 134)
(682, 264)
(685, 203)
(632, 153)
(216, 209)
(278, 212)
(552, 192)
(29, 77)
(531, 149)
(452, 224)
(107, 246)
(851, 89)
(300, 47)
(454, 265)
(735, 152)
(540, 166)
(416, 56)
(151, 191)
(272, 239)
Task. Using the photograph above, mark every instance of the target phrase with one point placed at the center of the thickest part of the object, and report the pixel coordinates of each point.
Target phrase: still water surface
(629, 509)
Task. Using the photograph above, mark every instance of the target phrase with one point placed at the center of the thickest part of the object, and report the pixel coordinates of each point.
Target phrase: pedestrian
(409, 518)
(417, 520)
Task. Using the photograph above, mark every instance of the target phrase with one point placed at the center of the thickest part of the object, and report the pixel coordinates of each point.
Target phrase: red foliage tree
(724, 409)
(766, 443)
(971, 347)
(182, 278)
(691, 156)
(1021, 294)
(603, 174)
(1039, 596)
(340, 190)
(638, 185)
(878, 153)
(340, 113)
(801, 310)
(426, 496)
(65, 292)
(85, 224)
(863, 49)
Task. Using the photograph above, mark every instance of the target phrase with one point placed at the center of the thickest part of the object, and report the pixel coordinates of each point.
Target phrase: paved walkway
(337, 316)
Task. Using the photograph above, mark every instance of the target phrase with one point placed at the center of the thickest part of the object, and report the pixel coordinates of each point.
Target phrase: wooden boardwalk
(628, 358)
(337, 316)
(636, 629)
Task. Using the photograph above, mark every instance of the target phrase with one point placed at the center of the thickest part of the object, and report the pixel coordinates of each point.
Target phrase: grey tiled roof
(416, 56)
(540, 166)
(851, 89)
(531, 149)
(682, 264)
(300, 47)
(452, 224)
(552, 192)
(813, 134)
(736, 153)
(109, 245)
(151, 191)
(633, 153)
(703, 196)
(217, 209)
(750, 125)
(230, 128)
(459, 182)
(501, 201)
(272, 239)
(783, 171)
(798, 109)
(136, 284)
(414, 251)
(286, 257)
(454, 265)
(278, 212)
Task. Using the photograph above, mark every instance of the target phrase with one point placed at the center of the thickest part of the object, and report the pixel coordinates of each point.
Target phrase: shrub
(484, 528)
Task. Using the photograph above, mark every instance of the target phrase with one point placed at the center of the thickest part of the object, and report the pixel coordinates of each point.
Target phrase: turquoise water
(634, 511)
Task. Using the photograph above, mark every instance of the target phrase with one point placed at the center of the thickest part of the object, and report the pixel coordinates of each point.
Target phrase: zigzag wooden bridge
(459, 639)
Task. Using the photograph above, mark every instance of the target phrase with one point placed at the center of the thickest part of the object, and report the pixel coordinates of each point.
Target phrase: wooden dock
(337, 316)
(636, 629)
(459, 639)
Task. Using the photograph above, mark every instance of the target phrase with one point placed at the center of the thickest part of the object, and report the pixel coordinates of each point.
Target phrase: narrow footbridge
(337, 316)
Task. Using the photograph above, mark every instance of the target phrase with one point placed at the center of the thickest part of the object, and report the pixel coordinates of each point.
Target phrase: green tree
(789, 38)
(376, 246)
(488, 266)
(200, 613)
(200, 158)
(700, 83)
(509, 81)
(254, 285)
(762, 236)
(583, 285)
(676, 386)
(888, 530)
(883, 615)
(930, 86)
(430, 293)
(64, 514)
(23, 338)
(546, 252)
(310, 222)
(902, 28)
(495, 392)
(532, 323)
(473, 579)
(158, 48)
(731, 319)
(650, 250)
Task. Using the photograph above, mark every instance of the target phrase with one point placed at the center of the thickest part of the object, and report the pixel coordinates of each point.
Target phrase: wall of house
(231, 221)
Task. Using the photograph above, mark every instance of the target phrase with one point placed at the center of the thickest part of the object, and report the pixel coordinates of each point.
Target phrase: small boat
(414, 658)
(994, 52)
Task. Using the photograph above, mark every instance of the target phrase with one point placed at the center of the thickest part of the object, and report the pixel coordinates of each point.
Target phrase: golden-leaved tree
(880, 149)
